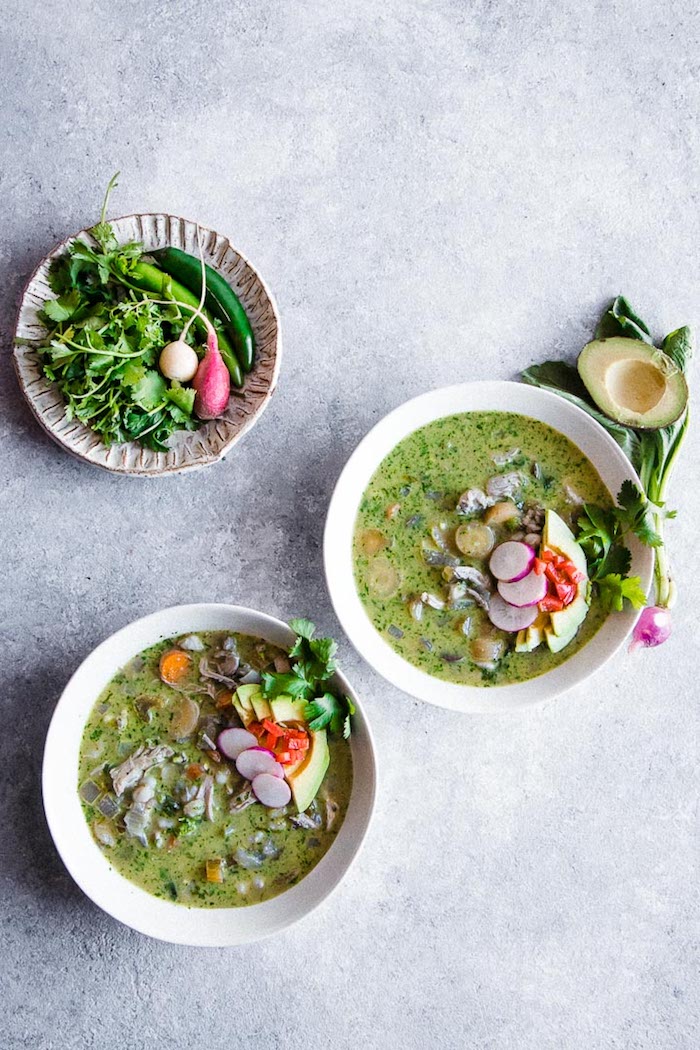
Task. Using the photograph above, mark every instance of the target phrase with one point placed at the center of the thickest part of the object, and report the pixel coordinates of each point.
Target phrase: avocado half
(633, 383)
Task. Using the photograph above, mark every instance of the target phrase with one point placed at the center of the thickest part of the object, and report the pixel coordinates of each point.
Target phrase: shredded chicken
(472, 501)
(505, 486)
(128, 774)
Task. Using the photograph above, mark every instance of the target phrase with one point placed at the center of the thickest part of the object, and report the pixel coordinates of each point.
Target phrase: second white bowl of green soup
(191, 789)
(451, 549)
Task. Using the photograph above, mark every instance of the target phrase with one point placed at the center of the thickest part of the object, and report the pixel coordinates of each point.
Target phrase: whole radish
(212, 381)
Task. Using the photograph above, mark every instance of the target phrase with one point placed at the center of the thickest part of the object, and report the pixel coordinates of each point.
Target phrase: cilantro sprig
(602, 533)
(313, 665)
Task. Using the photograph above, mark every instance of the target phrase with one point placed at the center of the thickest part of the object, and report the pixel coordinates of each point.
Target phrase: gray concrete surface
(435, 191)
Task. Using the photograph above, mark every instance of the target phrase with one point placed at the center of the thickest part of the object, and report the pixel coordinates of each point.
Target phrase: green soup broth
(170, 859)
(416, 489)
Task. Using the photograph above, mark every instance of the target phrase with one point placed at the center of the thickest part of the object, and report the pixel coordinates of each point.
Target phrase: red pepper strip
(546, 554)
(272, 728)
(566, 591)
(256, 729)
(553, 574)
(539, 566)
(550, 603)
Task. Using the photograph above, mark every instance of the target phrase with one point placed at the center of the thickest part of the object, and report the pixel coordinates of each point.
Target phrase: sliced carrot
(174, 665)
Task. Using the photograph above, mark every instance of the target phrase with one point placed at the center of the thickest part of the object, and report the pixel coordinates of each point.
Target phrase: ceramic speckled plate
(188, 450)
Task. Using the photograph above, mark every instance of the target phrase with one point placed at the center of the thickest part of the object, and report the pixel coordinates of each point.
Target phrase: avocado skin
(601, 357)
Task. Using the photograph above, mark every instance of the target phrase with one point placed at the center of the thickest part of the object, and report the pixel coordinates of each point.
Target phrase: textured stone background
(436, 191)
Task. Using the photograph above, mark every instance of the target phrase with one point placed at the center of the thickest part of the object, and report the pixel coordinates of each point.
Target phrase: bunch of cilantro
(314, 664)
(652, 453)
(103, 344)
(602, 532)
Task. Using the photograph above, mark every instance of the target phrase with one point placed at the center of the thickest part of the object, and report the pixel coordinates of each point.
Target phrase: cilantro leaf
(63, 308)
(150, 391)
(303, 628)
(182, 397)
(615, 590)
(326, 711)
(289, 683)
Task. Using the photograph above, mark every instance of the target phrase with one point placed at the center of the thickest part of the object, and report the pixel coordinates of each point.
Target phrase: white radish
(509, 617)
(178, 361)
(528, 591)
(231, 742)
(255, 760)
(511, 561)
(271, 791)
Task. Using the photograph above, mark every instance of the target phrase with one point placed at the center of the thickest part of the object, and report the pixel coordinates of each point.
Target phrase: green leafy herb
(621, 320)
(104, 340)
(313, 665)
(615, 589)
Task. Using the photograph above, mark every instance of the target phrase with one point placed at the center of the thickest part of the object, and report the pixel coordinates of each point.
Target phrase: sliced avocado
(245, 694)
(557, 536)
(243, 713)
(557, 642)
(533, 635)
(285, 709)
(261, 706)
(306, 778)
(633, 383)
(567, 621)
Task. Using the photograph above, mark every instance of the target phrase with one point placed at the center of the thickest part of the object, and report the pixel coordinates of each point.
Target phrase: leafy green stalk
(652, 453)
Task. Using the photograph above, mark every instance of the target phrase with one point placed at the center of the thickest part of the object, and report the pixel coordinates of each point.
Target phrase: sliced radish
(255, 760)
(509, 617)
(511, 561)
(271, 791)
(528, 591)
(231, 742)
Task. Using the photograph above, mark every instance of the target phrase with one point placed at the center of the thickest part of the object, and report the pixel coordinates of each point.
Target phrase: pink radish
(509, 617)
(511, 561)
(212, 381)
(255, 760)
(271, 791)
(231, 742)
(530, 590)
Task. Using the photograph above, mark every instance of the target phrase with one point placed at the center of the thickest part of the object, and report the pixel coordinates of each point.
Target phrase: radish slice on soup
(511, 561)
(271, 791)
(509, 617)
(528, 591)
(255, 760)
(231, 742)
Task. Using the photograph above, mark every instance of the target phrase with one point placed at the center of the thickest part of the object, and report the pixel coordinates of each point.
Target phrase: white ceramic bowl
(216, 927)
(608, 459)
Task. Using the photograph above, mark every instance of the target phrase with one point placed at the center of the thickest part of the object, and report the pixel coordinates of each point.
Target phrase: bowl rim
(204, 459)
(113, 892)
(397, 424)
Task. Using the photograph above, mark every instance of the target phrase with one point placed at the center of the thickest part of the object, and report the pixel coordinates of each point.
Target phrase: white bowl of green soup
(451, 549)
(191, 789)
